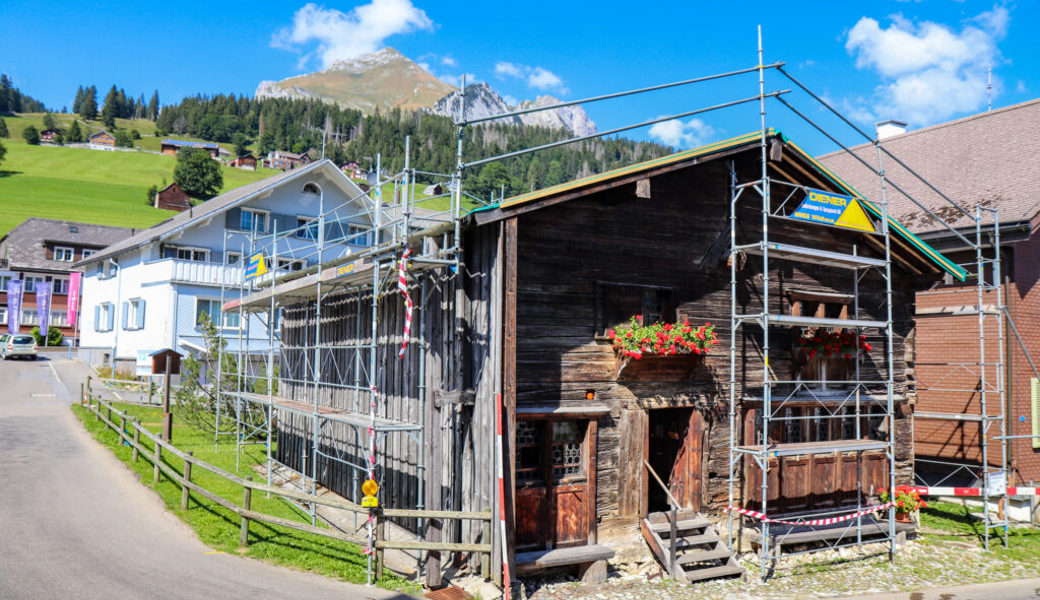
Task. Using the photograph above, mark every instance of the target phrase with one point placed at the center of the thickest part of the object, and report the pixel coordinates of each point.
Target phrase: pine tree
(110, 110)
(74, 135)
(77, 103)
(88, 109)
(3, 128)
(153, 106)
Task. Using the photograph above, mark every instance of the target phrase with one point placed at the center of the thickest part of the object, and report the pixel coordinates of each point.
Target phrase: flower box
(669, 345)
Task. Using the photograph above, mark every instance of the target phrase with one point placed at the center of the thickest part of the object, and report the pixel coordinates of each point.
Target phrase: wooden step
(713, 573)
(687, 525)
(687, 542)
(696, 556)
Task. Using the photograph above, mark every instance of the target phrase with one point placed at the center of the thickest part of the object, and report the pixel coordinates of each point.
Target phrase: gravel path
(848, 571)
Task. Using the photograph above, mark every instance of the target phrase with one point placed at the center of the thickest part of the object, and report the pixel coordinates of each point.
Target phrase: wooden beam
(509, 384)
(643, 188)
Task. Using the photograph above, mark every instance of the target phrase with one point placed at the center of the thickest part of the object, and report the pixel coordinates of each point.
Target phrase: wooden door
(684, 482)
(555, 495)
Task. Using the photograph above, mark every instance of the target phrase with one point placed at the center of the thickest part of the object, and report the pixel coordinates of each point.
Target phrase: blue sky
(921, 62)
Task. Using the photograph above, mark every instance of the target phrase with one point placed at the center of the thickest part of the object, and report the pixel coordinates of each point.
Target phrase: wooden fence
(131, 431)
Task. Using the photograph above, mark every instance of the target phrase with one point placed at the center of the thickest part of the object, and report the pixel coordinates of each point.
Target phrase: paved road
(74, 523)
(1021, 589)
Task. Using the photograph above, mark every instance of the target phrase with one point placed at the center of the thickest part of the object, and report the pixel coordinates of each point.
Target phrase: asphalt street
(74, 522)
(1021, 589)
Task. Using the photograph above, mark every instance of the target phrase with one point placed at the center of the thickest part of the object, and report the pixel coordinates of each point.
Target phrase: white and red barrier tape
(402, 284)
(500, 469)
(974, 491)
(827, 521)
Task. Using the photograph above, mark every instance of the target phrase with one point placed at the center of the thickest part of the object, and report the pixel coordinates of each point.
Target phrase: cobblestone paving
(848, 571)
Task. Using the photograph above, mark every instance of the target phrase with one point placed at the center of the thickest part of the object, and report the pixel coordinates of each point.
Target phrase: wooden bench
(591, 561)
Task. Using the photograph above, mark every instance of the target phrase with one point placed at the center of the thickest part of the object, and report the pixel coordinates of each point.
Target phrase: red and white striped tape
(827, 521)
(970, 492)
(402, 284)
(500, 468)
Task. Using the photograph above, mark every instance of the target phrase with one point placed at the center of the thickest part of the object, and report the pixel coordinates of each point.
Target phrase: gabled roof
(25, 243)
(189, 144)
(224, 202)
(989, 158)
(691, 156)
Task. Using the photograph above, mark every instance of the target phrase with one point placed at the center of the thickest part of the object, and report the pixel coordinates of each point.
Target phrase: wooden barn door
(556, 483)
(674, 446)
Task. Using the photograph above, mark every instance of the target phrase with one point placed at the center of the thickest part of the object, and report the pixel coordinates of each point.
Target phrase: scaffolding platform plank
(815, 256)
(953, 416)
(793, 321)
(326, 412)
(816, 447)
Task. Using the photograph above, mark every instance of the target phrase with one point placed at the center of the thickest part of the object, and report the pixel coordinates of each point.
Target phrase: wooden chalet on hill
(102, 140)
(527, 321)
(172, 197)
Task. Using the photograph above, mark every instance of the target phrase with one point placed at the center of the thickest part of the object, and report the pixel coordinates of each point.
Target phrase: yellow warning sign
(854, 218)
(369, 502)
(370, 487)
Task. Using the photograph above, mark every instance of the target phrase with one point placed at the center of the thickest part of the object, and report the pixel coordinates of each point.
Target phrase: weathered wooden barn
(527, 319)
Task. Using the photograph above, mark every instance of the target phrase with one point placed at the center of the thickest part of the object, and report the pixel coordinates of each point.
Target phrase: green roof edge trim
(708, 149)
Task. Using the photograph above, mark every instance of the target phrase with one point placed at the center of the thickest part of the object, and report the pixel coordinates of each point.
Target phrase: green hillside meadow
(90, 186)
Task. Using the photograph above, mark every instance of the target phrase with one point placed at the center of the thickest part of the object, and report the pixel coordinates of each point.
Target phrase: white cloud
(448, 61)
(929, 71)
(456, 80)
(538, 78)
(507, 69)
(341, 36)
(681, 135)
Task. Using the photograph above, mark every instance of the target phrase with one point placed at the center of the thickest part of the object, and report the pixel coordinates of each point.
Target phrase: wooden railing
(672, 518)
(131, 431)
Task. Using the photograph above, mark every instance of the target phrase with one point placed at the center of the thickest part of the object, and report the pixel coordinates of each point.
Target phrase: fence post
(485, 558)
(88, 389)
(380, 537)
(122, 429)
(185, 481)
(158, 459)
(137, 437)
(82, 398)
(247, 496)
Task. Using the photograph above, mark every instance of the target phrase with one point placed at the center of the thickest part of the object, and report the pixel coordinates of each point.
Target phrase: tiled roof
(217, 205)
(25, 243)
(986, 159)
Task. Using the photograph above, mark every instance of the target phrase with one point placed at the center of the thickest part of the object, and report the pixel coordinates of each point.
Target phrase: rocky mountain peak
(483, 101)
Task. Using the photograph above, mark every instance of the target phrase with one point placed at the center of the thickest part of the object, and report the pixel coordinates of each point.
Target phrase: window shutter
(1034, 386)
(140, 314)
(284, 222)
(110, 317)
(234, 218)
(97, 318)
(126, 314)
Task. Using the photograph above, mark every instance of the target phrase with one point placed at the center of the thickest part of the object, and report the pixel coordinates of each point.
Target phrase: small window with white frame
(359, 235)
(133, 314)
(29, 283)
(30, 317)
(87, 252)
(288, 264)
(104, 317)
(211, 309)
(64, 254)
(307, 228)
(253, 219)
(233, 258)
(59, 286)
(3, 282)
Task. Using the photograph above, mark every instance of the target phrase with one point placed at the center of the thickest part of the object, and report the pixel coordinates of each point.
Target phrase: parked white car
(17, 345)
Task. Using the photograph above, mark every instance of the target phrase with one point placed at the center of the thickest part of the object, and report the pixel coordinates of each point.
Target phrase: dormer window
(311, 188)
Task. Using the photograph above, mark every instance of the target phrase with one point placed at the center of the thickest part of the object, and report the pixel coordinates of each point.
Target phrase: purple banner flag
(43, 307)
(14, 305)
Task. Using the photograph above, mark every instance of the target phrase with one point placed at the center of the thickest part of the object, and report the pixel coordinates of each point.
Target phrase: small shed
(244, 162)
(172, 197)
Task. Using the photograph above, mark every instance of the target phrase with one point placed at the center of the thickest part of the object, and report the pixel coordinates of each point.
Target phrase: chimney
(887, 129)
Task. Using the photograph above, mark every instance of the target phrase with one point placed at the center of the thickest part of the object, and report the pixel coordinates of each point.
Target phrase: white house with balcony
(151, 291)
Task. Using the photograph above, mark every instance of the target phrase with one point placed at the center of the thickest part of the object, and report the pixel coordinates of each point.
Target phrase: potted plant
(831, 353)
(907, 501)
(636, 340)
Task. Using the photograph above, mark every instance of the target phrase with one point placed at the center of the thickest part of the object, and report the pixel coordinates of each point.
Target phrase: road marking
(211, 552)
(43, 395)
(53, 370)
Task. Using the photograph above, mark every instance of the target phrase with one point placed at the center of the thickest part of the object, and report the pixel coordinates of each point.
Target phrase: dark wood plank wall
(614, 236)
(460, 356)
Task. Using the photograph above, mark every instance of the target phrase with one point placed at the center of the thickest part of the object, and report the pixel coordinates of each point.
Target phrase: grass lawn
(218, 527)
(947, 521)
(91, 186)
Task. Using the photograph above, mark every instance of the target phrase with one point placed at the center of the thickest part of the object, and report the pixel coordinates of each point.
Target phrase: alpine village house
(551, 282)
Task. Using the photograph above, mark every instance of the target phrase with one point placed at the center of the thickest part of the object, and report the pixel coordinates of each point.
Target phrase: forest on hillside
(12, 100)
(298, 125)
